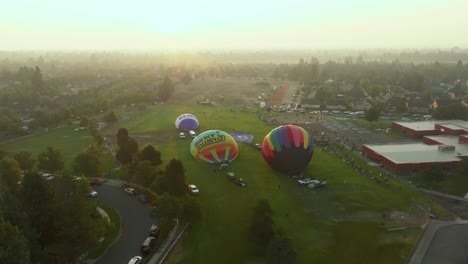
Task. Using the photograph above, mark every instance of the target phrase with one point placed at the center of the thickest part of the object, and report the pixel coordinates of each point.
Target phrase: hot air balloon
(288, 149)
(186, 122)
(215, 147)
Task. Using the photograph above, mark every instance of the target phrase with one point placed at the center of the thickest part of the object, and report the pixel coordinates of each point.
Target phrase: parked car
(130, 191)
(148, 245)
(307, 181)
(92, 194)
(192, 133)
(143, 198)
(239, 182)
(135, 260)
(95, 182)
(316, 185)
(155, 231)
(235, 180)
(182, 135)
(258, 146)
(193, 189)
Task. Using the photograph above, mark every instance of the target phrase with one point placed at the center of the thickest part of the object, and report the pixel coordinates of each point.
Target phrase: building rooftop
(461, 149)
(430, 125)
(414, 153)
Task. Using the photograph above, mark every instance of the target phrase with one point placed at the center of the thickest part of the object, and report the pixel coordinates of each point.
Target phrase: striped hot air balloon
(215, 147)
(288, 149)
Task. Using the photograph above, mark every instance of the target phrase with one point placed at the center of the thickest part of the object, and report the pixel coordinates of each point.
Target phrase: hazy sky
(239, 24)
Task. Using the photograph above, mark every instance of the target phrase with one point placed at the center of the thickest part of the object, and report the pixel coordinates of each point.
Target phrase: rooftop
(430, 125)
(414, 153)
(461, 149)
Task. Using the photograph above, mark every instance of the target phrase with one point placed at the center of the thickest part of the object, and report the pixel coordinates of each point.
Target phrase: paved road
(448, 246)
(135, 222)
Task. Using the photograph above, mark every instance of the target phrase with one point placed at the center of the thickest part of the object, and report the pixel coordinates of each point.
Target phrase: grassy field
(345, 217)
(343, 222)
(65, 140)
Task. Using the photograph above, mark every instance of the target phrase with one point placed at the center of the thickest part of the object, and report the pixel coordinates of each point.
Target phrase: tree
(25, 160)
(372, 114)
(149, 153)
(50, 160)
(111, 118)
(87, 162)
(12, 210)
(10, 174)
(167, 208)
(37, 82)
(122, 137)
(261, 225)
(280, 251)
(78, 232)
(186, 79)
(127, 147)
(84, 122)
(13, 245)
(166, 89)
(432, 174)
(40, 205)
(144, 173)
(175, 174)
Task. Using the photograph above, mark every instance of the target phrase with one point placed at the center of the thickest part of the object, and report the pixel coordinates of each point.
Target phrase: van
(148, 245)
(192, 133)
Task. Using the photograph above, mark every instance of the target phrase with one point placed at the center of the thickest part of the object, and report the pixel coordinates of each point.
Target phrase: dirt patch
(407, 219)
(235, 91)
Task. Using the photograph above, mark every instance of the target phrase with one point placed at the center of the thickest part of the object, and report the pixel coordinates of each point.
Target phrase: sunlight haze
(189, 25)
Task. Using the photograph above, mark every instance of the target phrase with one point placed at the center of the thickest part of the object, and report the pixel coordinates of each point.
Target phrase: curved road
(135, 221)
(448, 246)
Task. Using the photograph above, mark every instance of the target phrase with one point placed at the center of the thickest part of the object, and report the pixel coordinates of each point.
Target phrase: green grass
(65, 140)
(311, 219)
(112, 231)
(321, 224)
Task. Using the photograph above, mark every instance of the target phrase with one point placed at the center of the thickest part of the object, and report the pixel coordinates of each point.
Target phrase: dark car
(239, 182)
(148, 245)
(143, 198)
(235, 180)
(95, 182)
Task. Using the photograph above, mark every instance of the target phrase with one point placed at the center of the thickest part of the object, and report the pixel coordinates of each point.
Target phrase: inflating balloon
(215, 147)
(186, 122)
(288, 149)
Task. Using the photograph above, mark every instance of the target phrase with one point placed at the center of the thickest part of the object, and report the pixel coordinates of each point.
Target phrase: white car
(182, 135)
(307, 181)
(92, 194)
(192, 133)
(130, 191)
(135, 260)
(193, 189)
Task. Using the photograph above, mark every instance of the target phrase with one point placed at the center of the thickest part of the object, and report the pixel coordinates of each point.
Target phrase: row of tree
(38, 219)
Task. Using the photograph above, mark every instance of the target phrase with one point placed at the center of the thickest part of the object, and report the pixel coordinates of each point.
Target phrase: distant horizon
(232, 25)
(216, 50)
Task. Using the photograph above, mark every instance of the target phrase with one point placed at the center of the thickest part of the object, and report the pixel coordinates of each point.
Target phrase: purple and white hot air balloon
(186, 122)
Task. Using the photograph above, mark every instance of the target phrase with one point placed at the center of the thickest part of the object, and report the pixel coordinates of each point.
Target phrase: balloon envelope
(214, 146)
(288, 149)
(186, 122)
